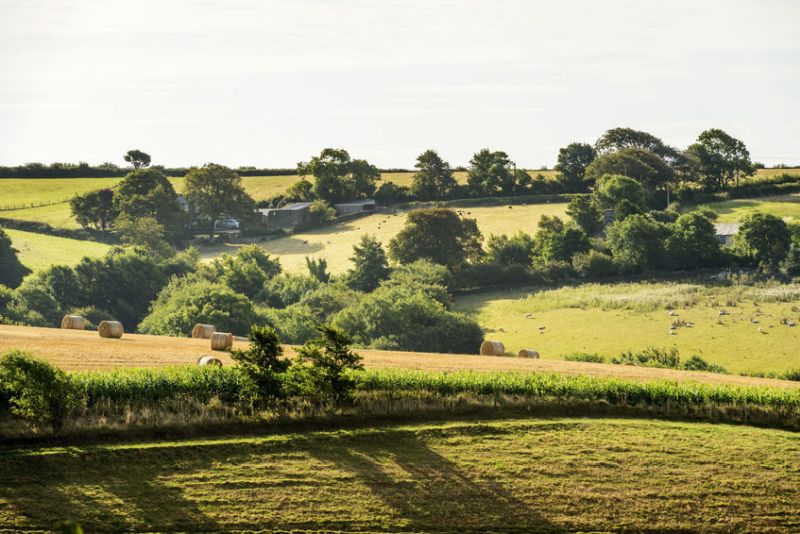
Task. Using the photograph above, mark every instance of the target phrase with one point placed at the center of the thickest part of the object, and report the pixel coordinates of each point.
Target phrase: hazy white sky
(270, 83)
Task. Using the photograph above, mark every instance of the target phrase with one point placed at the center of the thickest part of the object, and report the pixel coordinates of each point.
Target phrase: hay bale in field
(209, 361)
(111, 329)
(528, 353)
(203, 331)
(73, 322)
(492, 348)
(221, 341)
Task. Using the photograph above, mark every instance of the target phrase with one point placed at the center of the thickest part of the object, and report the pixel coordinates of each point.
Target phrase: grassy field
(560, 474)
(785, 206)
(38, 251)
(335, 242)
(611, 318)
(74, 350)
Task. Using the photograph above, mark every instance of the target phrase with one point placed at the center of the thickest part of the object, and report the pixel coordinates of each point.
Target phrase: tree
(693, 243)
(586, 214)
(12, 271)
(490, 172)
(95, 208)
(572, 162)
(338, 177)
(637, 243)
(720, 159)
(370, 266)
(137, 158)
(331, 360)
(643, 165)
(246, 272)
(556, 241)
(318, 268)
(143, 232)
(215, 190)
(625, 138)
(763, 237)
(437, 234)
(148, 193)
(434, 177)
(319, 213)
(510, 250)
(262, 364)
(613, 188)
(301, 191)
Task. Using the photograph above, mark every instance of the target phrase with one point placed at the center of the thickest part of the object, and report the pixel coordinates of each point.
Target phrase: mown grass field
(611, 318)
(784, 206)
(38, 251)
(514, 475)
(74, 350)
(335, 242)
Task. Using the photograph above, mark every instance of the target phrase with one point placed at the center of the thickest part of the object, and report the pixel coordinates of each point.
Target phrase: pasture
(519, 474)
(39, 251)
(74, 350)
(608, 319)
(335, 242)
(784, 206)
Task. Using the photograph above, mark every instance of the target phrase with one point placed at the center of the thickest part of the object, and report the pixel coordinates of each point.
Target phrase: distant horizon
(272, 83)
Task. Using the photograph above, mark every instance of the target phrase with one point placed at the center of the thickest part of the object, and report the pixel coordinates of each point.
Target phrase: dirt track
(74, 350)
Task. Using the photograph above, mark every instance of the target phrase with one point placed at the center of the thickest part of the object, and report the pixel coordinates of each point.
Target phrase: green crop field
(611, 318)
(335, 242)
(561, 474)
(38, 251)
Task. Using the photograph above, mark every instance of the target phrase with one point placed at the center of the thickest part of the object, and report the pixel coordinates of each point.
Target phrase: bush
(594, 264)
(585, 357)
(35, 390)
(262, 364)
(328, 300)
(247, 272)
(296, 324)
(696, 363)
(650, 357)
(288, 289)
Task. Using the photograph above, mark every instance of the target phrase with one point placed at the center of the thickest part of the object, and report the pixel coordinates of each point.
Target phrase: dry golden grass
(74, 350)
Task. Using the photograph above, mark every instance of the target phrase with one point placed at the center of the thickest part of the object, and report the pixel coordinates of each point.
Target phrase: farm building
(290, 215)
(354, 207)
(726, 231)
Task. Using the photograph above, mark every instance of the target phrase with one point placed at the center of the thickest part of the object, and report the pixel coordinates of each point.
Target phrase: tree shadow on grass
(428, 492)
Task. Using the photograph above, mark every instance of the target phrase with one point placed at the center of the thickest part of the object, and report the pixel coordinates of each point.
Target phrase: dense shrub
(594, 264)
(696, 363)
(329, 299)
(650, 357)
(296, 324)
(246, 272)
(637, 243)
(585, 357)
(11, 269)
(288, 289)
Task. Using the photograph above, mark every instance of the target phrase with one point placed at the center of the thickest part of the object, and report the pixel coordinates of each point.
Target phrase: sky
(271, 83)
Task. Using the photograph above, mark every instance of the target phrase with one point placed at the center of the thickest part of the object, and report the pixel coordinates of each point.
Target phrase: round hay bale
(203, 331)
(209, 361)
(492, 348)
(112, 329)
(221, 341)
(73, 322)
(528, 353)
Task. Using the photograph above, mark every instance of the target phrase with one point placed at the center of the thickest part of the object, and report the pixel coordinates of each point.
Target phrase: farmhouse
(355, 207)
(726, 231)
(288, 216)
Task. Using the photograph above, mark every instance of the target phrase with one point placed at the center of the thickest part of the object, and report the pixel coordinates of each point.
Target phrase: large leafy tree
(692, 242)
(11, 269)
(623, 138)
(650, 169)
(137, 158)
(720, 159)
(370, 266)
(148, 193)
(586, 213)
(637, 243)
(572, 162)
(764, 237)
(338, 177)
(556, 241)
(215, 190)
(490, 173)
(611, 189)
(95, 208)
(516, 249)
(439, 235)
(434, 177)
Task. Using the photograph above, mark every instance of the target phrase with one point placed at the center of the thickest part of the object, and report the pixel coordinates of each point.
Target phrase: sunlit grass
(38, 251)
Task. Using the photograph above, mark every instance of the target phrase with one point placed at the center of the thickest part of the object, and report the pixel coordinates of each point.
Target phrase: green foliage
(301, 191)
(390, 193)
(370, 266)
(137, 158)
(764, 238)
(791, 265)
(143, 232)
(439, 235)
(11, 269)
(585, 357)
(318, 269)
(405, 317)
(262, 365)
(296, 323)
(720, 159)
(626, 138)
(248, 271)
(650, 357)
(288, 289)
(693, 243)
(319, 213)
(613, 188)
(322, 369)
(35, 390)
(490, 173)
(148, 193)
(696, 363)
(434, 178)
(637, 243)
(338, 177)
(572, 162)
(514, 250)
(586, 214)
(430, 278)
(328, 300)
(594, 264)
(95, 208)
(186, 301)
(557, 242)
(648, 168)
(215, 190)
